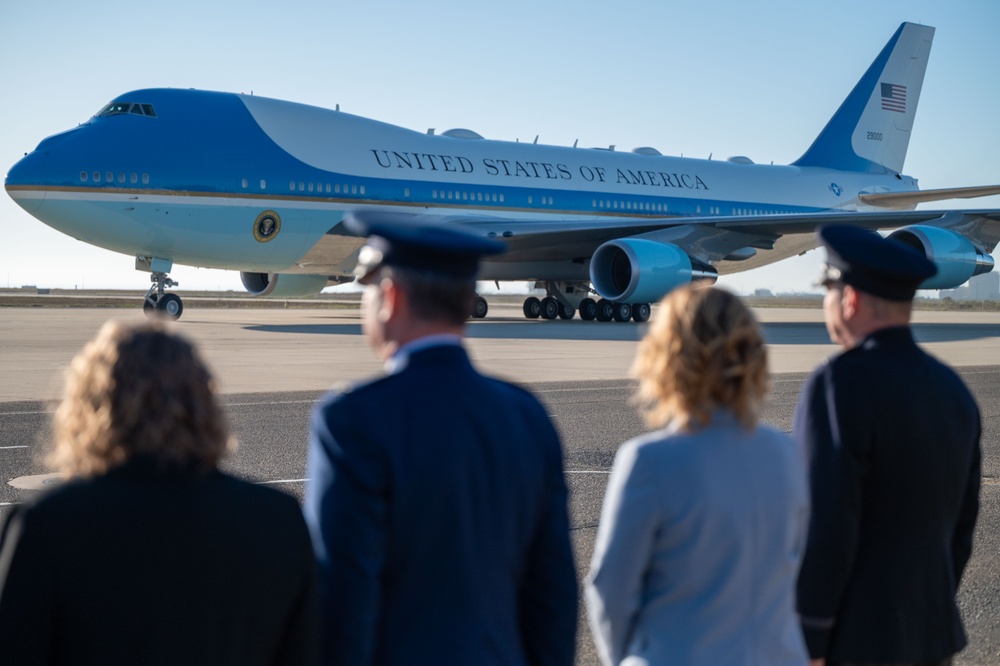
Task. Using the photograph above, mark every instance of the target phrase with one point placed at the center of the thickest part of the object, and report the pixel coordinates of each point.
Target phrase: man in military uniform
(892, 437)
(437, 500)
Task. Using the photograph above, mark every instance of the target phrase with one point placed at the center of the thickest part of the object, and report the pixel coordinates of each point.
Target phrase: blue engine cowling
(283, 285)
(636, 270)
(956, 258)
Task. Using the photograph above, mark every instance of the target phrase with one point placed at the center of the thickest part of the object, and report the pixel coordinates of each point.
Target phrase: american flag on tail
(893, 97)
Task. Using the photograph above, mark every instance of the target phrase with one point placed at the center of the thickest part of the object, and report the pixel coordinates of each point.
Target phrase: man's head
(420, 279)
(870, 282)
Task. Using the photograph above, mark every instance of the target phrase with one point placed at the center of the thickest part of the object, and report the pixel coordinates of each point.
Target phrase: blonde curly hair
(137, 389)
(703, 351)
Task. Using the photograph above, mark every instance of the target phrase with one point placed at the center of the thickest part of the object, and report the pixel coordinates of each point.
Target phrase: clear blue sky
(727, 77)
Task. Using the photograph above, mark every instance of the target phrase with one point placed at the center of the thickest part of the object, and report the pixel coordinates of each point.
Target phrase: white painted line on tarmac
(571, 471)
(4, 448)
(271, 402)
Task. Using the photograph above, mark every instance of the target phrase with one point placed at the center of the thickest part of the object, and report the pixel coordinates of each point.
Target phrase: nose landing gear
(158, 302)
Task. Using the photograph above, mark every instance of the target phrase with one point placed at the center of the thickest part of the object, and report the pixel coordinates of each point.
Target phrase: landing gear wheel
(159, 303)
(170, 305)
(480, 308)
(588, 309)
(641, 312)
(566, 312)
(605, 310)
(532, 307)
(623, 312)
(549, 308)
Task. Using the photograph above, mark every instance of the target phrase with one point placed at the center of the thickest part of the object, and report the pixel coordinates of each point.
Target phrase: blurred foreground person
(892, 435)
(437, 501)
(704, 520)
(149, 554)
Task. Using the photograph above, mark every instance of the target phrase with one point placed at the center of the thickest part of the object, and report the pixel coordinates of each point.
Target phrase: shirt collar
(398, 361)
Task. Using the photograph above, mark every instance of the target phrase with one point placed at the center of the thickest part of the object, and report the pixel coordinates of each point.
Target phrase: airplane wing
(900, 199)
(731, 240)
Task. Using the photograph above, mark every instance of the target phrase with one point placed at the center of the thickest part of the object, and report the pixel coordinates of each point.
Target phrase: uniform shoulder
(345, 398)
(846, 363)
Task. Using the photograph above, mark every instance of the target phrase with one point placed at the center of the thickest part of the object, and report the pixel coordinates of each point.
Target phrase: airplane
(269, 188)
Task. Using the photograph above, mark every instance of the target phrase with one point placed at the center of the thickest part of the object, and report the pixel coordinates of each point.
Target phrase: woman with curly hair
(704, 519)
(148, 553)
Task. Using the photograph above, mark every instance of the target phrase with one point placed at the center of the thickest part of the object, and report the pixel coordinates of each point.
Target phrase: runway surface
(272, 365)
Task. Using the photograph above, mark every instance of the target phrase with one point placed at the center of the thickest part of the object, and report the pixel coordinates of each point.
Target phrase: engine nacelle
(636, 270)
(283, 285)
(956, 258)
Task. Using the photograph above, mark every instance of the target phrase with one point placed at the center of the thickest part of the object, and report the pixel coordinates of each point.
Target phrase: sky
(721, 78)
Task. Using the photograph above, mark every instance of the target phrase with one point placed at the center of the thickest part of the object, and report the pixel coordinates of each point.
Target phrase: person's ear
(850, 300)
(389, 301)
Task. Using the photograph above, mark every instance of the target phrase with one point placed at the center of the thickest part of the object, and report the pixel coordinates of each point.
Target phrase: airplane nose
(24, 183)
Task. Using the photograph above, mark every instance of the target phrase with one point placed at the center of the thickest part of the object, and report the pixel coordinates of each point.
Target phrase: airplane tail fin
(871, 130)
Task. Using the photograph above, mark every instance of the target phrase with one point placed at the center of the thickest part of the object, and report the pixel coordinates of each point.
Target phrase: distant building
(980, 288)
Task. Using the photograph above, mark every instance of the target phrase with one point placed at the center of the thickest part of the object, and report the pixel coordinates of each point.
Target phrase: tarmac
(271, 365)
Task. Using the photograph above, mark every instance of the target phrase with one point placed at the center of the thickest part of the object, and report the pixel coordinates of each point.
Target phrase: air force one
(264, 187)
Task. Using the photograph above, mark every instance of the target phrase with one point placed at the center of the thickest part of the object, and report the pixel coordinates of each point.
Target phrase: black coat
(141, 566)
(893, 440)
(438, 508)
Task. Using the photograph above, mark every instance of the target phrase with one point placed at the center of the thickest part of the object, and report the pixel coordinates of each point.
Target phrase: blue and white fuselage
(262, 186)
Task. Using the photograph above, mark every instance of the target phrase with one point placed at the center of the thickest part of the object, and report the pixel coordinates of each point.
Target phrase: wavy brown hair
(703, 351)
(138, 389)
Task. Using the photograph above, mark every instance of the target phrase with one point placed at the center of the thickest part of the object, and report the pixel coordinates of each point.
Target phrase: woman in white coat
(705, 519)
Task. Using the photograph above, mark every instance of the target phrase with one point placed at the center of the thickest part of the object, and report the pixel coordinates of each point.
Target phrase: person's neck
(417, 331)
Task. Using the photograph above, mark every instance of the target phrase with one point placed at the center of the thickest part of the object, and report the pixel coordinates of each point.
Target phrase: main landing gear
(563, 299)
(158, 303)
(590, 310)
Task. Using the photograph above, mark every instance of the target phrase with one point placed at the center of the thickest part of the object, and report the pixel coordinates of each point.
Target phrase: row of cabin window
(629, 205)
(755, 212)
(450, 195)
(109, 177)
(318, 187)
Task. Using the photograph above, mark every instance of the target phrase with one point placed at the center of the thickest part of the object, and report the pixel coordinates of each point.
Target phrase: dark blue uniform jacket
(892, 436)
(437, 505)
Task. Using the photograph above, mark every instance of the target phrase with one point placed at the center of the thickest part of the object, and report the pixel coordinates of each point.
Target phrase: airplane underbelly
(257, 235)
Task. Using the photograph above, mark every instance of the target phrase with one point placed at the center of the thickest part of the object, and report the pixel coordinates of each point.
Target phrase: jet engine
(956, 258)
(283, 285)
(637, 270)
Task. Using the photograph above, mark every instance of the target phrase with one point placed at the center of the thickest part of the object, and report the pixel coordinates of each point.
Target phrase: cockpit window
(118, 108)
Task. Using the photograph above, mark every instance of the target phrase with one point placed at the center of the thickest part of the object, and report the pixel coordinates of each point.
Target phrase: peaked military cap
(865, 260)
(407, 241)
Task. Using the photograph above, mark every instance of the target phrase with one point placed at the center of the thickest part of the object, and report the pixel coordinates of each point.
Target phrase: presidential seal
(266, 226)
